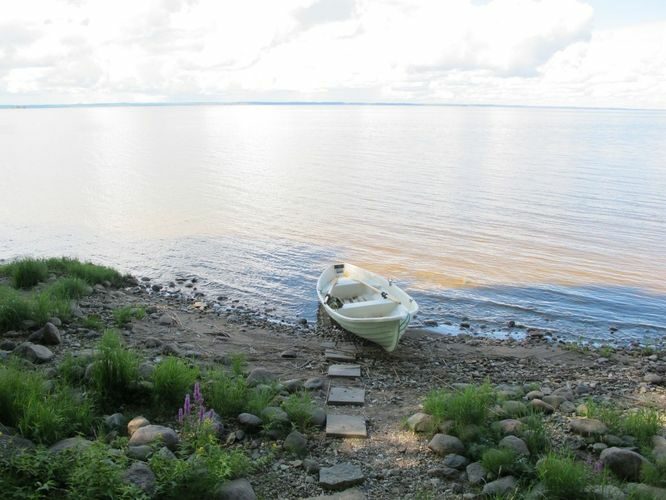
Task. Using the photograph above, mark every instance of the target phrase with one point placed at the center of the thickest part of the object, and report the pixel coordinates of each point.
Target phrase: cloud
(495, 51)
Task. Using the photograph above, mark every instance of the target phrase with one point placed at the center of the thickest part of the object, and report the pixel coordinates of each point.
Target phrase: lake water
(553, 218)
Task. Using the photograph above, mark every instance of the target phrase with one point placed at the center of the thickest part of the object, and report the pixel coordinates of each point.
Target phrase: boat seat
(368, 309)
(346, 288)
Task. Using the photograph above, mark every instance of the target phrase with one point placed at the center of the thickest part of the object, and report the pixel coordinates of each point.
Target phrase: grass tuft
(123, 315)
(227, 393)
(172, 379)
(299, 407)
(499, 461)
(115, 368)
(562, 476)
(468, 406)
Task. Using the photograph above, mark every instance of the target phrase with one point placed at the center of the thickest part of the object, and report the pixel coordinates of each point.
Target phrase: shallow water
(554, 218)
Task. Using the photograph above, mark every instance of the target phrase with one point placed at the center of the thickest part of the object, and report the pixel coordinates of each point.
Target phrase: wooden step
(346, 396)
(346, 426)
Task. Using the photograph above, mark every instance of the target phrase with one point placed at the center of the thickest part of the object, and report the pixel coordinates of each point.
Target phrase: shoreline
(395, 462)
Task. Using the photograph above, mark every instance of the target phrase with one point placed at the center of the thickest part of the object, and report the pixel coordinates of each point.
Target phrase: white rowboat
(366, 304)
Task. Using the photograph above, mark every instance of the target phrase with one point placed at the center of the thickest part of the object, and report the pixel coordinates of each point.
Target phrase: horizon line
(311, 103)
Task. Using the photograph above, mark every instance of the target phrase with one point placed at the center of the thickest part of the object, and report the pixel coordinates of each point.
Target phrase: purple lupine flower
(598, 466)
(180, 415)
(187, 407)
(201, 413)
(198, 398)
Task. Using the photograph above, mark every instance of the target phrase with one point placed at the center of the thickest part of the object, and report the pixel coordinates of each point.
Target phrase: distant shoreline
(313, 103)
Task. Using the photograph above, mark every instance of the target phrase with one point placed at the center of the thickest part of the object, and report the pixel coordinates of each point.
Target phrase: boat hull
(383, 310)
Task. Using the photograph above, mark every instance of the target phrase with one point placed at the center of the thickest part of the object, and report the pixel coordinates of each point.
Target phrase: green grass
(299, 407)
(69, 288)
(562, 476)
(41, 415)
(93, 322)
(500, 461)
(604, 412)
(26, 273)
(172, 379)
(654, 474)
(227, 393)
(260, 397)
(14, 308)
(642, 424)
(468, 406)
(124, 315)
(71, 369)
(238, 364)
(535, 435)
(115, 368)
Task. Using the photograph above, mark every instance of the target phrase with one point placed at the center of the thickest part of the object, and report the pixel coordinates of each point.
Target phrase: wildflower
(180, 415)
(187, 407)
(198, 398)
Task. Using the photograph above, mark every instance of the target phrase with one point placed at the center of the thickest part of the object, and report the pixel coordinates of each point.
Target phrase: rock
(350, 494)
(289, 354)
(420, 422)
(554, 400)
(644, 491)
(11, 446)
(141, 452)
(500, 486)
(582, 389)
(340, 476)
(146, 370)
(135, 424)
(260, 376)
(567, 407)
(293, 385)
(509, 425)
(444, 473)
(443, 444)
(151, 433)
(599, 447)
(296, 443)
(564, 392)
(238, 489)
(115, 422)
(542, 406)
(7, 345)
(165, 320)
(455, 461)
(653, 378)
(516, 444)
(140, 475)
(588, 426)
(318, 417)
(274, 415)
(165, 453)
(534, 395)
(659, 450)
(313, 384)
(77, 443)
(625, 464)
(152, 343)
(34, 353)
(605, 492)
(476, 473)
(249, 422)
(47, 335)
(514, 408)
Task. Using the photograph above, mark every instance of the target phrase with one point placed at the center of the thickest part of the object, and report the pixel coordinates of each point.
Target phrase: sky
(596, 53)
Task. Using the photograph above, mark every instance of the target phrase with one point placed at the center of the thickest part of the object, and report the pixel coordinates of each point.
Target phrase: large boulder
(443, 445)
(136, 423)
(625, 464)
(11, 446)
(155, 433)
(476, 473)
(140, 475)
(296, 443)
(34, 353)
(47, 335)
(77, 443)
(516, 444)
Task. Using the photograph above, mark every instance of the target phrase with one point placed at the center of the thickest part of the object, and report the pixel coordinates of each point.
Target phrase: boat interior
(359, 300)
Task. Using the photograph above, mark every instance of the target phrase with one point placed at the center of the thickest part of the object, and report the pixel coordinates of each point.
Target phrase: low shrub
(563, 477)
(227, 393)
(299, 407)
(172, 379)
(114, 369)
(123, 315)
(259, 398)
